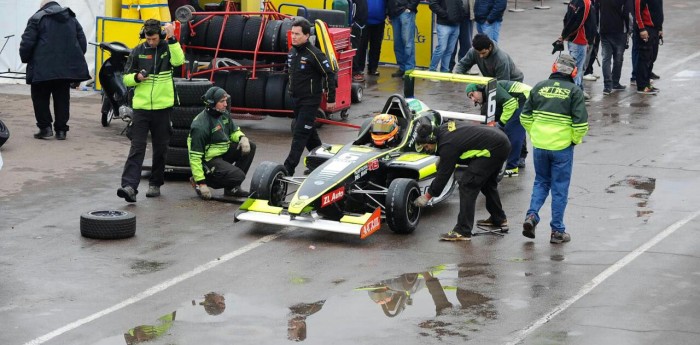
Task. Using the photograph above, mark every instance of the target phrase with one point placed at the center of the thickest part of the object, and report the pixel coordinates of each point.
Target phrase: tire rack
(341, 42)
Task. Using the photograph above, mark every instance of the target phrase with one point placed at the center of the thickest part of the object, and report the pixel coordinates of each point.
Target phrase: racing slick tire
(190, 91)
(266, 183)
(401, 215)
(108, 224)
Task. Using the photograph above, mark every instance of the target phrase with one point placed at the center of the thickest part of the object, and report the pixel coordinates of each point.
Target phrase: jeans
(404, 27)
(466, 30)
(613, 48)
(158, 123)
(446, 41)
(578, 52)
(42, 92)
(552, 172)
(491, 30)
(516, 134)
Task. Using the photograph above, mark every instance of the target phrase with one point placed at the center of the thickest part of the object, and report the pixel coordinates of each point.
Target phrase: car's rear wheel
(401, 215)
(267, 183)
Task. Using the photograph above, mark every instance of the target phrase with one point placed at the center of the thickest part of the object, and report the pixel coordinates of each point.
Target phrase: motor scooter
(116, 97)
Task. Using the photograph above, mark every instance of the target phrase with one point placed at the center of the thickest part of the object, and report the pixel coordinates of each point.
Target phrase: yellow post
(250, 5)
(113, 8)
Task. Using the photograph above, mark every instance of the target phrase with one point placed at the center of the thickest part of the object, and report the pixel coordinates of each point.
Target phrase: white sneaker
(589, 77)
(586, 96)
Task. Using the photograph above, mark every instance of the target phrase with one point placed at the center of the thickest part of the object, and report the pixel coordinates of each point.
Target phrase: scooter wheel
(183, 14)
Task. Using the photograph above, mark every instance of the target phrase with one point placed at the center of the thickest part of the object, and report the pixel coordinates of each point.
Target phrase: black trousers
(158, 123)
(371, 37)
(647, 56)
(305, 134)
(223, 174)
(480, 176)
(42, 92)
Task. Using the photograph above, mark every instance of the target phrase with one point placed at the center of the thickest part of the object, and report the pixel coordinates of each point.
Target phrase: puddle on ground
(447, 303)
(145, 267)
(642, 187)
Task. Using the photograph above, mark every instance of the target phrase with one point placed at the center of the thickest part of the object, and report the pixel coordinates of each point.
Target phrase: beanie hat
(473, 87)
(565, 64)
(213, 95)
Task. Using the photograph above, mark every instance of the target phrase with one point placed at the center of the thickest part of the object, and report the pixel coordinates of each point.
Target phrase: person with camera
(149, 71)
(215, 143)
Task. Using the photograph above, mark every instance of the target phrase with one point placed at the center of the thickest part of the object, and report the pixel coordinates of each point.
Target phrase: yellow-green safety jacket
(211, 135)
(158, 90)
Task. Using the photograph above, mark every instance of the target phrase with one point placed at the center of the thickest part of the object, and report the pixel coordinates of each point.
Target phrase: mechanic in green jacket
(555, 116)
(150, 71)
(214, 144)
(483, 149)
(510, 98)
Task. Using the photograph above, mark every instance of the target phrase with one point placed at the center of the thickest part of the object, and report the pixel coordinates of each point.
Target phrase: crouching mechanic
(214, 144)
(484, 149)
(510, 98)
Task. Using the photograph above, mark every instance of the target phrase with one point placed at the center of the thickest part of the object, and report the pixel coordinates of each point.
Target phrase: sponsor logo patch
(373, 223)
(332, 197)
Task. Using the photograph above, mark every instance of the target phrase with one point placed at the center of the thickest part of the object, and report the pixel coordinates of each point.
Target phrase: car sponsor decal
(373, 223)
(332, 197)
(361, 172)
(373, 165)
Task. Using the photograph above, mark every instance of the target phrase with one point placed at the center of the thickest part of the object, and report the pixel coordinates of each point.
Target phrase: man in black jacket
(53, 47)
(484, 149)
(310, 74)
(613, 38)
(648, 29)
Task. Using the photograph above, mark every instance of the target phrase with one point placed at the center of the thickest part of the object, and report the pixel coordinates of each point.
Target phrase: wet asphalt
(630, 275)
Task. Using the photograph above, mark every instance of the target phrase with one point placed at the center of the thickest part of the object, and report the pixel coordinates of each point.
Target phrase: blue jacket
(376, 11)
(489, 10)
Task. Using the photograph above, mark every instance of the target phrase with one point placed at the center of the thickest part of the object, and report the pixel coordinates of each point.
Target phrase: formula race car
(352, 188)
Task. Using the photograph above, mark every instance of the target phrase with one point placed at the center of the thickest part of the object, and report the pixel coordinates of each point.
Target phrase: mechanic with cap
(215, 143)
(310, 74)
(555, 116)
(385, 131)
(484, 149)
(510, 97)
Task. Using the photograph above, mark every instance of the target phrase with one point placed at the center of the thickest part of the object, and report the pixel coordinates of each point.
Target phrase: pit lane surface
(630, 274)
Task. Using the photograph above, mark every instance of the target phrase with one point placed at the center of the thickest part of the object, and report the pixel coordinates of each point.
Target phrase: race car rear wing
(490, 92)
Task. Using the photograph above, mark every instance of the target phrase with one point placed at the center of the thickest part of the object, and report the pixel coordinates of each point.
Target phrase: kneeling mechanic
(212, 155)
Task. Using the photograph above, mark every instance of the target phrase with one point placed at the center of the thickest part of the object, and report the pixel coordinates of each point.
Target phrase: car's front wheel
(267, 183)
(401, 215)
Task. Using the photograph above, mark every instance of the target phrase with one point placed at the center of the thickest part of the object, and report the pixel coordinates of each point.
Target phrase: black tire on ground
(356, 92)
(401, 215)
(266, 184)
(189, 92)
(274, 90)
(177, 156)
(107, 111)
(235, 86)
(283, 41)
(271, 36)
(250, 33)
(233, 32)
(182, 117)
(255, 91)
(108, 224)
(179, 137)
(334, 18)
(216, 24)
(220, 79)
(4, 133)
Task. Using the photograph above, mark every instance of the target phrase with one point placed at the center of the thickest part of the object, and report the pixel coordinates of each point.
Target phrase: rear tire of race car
(401, 215)
(4, 133)
(266, 183)
(108, 224)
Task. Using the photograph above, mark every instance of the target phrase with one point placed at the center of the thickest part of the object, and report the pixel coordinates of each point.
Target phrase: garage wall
(21, 10)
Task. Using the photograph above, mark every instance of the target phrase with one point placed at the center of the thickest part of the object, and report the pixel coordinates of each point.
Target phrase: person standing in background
(53, 47)
(449, 15)
(466, 31)
(489, 17)
(403, 22)
(648, 20)
(358, 33)
(613, 38)
(576, 24)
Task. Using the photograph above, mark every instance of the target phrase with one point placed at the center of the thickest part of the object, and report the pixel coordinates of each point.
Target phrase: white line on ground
(522, 334)
(157, 288)
(672, 66)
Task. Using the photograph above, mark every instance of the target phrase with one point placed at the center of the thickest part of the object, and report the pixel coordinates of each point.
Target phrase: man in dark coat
(53, 47)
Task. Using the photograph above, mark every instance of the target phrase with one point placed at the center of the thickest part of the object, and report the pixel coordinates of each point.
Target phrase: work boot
(44, 133)
(128, 193)
(529, 226)
(60, 135)
(489, 223)
(455, 236)
(237, 192)
(559, 237)
(153, 192)
(398, 74)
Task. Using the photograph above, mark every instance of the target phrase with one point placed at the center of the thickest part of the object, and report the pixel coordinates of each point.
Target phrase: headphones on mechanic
(152, 24)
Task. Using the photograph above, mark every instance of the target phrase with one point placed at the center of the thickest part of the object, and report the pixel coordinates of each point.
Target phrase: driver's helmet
(385, 128)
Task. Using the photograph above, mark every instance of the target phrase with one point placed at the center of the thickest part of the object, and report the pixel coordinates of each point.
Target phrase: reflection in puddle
(296, 327)
(144, 333)
(144, 267)
(644, 185)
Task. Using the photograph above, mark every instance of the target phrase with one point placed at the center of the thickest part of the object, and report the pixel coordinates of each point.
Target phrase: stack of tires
(268, 90)
(189, 95)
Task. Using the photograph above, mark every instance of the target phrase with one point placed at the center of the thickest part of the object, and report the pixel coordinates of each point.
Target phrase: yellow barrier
(130, 9)
(114, 29)
(151, 9)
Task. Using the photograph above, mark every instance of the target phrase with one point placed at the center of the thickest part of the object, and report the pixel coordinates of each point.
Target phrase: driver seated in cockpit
(385, 131)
